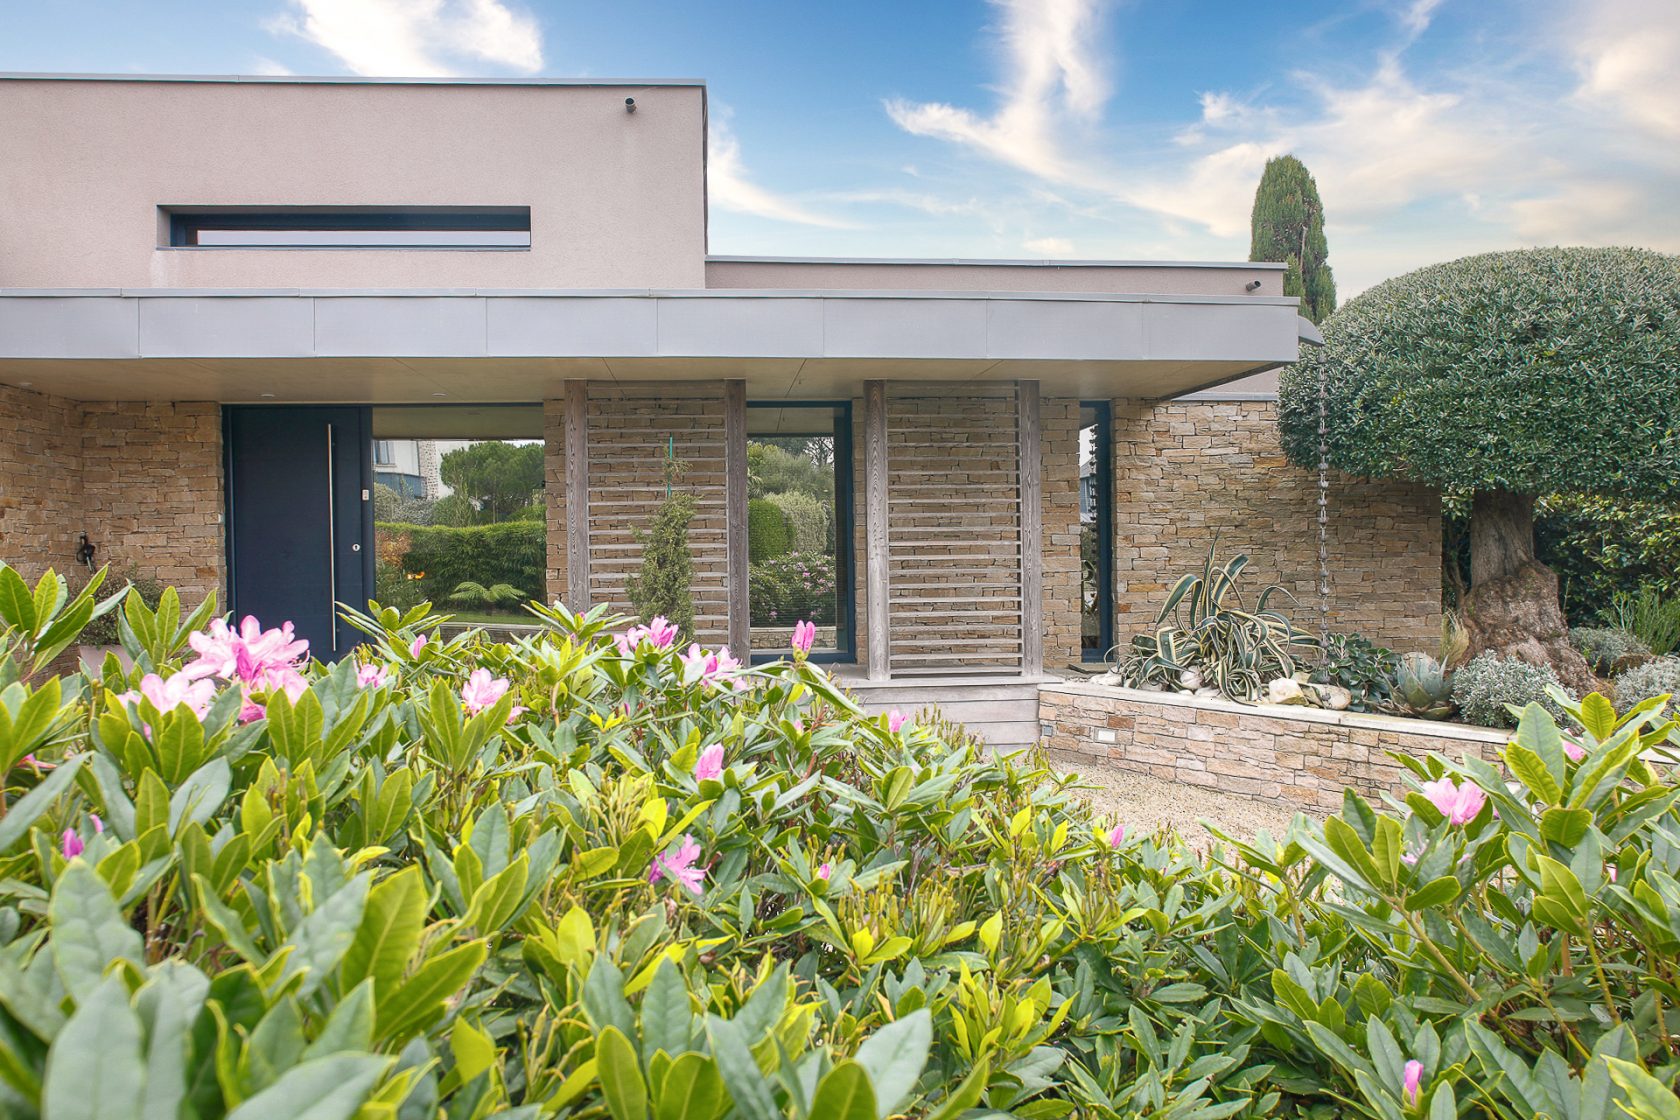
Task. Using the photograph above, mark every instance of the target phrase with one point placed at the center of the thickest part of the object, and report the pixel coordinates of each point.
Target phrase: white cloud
(728, 186)
(1049, 246)
(1628, 55)
(269, 68)
(1054, 77)
(417, 38)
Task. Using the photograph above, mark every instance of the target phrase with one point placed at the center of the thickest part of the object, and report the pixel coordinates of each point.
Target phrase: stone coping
(1438, 729)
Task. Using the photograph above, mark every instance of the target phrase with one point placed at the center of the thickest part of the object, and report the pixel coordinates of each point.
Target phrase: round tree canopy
(1537, 371)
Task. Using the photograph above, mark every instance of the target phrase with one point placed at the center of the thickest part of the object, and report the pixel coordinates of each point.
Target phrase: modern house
(216, 294)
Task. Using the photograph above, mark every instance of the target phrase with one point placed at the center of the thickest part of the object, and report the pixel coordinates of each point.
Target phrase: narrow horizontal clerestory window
(348, 227)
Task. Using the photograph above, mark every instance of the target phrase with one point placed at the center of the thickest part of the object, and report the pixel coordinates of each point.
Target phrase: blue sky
(1043, 128)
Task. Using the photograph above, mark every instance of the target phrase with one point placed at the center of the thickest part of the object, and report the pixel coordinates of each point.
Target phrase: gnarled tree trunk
(1512, 608)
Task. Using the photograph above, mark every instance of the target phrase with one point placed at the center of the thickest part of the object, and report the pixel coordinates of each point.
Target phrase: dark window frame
(186, 223)
(845, 530)
(1103, 462)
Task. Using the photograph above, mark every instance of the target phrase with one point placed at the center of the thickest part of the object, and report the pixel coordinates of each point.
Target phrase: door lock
(357, 547)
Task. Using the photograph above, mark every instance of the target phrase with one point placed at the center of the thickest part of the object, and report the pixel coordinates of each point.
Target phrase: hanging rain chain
(1323, 513)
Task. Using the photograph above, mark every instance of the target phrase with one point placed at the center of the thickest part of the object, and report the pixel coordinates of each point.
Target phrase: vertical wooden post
(735, 517)
(577, 495)
(877, 566)
(1032, 529)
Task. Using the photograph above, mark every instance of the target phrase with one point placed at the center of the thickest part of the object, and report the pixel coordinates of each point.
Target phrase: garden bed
(1301, 757)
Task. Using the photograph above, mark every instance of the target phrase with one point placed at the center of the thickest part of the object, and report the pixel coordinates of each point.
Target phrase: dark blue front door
(300, 522)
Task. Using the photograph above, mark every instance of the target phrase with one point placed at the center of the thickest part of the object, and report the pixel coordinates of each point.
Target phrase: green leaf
(1648, 1098)
(421, 996)
(1533, 772)
(966, 1095)
(1565, 826)
(95, 1070)
(17, 605)
(28, 808)
(349, 1027)
(622, 1086)
(747, 1086)
(894, 1058)
(1346, 844)
(692, 1090)
(88, 930)
(389, 933)
(845, 1094)
(667, 1013)
(603, 998)
(1437, 892)
(1598, 716)
(321, 940)
(330, 1088)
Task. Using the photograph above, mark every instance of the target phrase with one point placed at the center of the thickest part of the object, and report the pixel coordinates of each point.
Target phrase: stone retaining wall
(1304, 757)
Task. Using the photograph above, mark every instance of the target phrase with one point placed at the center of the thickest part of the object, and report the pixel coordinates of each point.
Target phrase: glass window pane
(1096, 547)
(799, 537)
(459, 513)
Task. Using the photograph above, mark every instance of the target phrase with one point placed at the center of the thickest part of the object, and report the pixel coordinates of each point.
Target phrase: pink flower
(71, 844)
(1574, 750)
(661, 632)
(516, 711)
(1412, 1081)
(804, 633)
(98, 825)
(713, 668)
(482, 691)
(709, 768)
(895, 721)
(1116, 835)
(178, 690)
(417, 645)
(1611, 871)
(250, 654)
(372, 675)
(679, 866)
(1458, 803)
(824, 871)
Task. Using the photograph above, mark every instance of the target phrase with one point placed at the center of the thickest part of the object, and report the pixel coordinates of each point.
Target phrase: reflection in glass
(1096, 533)
(799, 536)
(459, 514)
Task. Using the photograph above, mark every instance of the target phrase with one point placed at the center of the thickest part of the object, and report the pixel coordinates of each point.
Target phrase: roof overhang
(400, 346)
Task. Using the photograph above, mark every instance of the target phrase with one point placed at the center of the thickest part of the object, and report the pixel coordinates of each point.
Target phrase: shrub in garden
(1362, 667)
(1650, 616)
(1605, 647)
(446, 556)
(1660, 677)
(1487, 687)
(798, 586)
(810, 521)
(769, 530)
(556, 878)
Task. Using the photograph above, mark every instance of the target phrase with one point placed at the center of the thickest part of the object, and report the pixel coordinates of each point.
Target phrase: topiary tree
(769, 531)
(1505, 376)
(1287, 225)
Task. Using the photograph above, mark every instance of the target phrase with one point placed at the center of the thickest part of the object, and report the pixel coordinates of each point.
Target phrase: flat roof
(343, 80)
(1047, 262)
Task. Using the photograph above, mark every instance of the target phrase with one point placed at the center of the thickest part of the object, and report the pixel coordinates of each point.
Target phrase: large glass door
(799, 526)
(300, 518)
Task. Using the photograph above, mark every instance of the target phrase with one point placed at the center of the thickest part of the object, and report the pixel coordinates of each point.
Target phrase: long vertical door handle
(332, 543)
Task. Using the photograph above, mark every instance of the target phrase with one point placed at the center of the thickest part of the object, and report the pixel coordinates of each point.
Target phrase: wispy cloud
(729, 187)
(1493, 160)
(417, 38)
(1054, 78)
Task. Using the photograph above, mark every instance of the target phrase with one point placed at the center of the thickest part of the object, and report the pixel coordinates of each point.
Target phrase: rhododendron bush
(592, 872)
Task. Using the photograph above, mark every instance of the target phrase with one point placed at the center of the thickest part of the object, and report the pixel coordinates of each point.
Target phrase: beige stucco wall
(1014, 276)
(617, 199)
(143, 481)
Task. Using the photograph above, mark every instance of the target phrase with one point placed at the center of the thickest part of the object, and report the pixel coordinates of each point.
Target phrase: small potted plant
(100, 636)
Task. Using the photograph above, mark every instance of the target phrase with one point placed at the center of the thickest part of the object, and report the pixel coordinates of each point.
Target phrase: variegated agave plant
(1205, 625)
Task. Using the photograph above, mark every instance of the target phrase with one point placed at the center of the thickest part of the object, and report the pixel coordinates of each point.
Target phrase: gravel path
(1142, 802)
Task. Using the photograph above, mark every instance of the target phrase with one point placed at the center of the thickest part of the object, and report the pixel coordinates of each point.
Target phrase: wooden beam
(877, 564)
(735, 523)
(577, 495)
(1032, 529)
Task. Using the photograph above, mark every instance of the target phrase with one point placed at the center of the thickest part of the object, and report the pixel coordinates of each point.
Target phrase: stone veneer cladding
(1061, 565)
(1187, 471)
(143, 480)
(1304, 757)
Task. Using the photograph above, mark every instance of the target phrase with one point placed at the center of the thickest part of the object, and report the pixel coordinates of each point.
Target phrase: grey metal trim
(1308, 331)
(906, 294)
(997, 326)
(341, 80)
(1048, 262)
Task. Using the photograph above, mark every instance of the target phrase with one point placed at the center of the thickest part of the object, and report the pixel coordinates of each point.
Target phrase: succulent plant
(1422, 687)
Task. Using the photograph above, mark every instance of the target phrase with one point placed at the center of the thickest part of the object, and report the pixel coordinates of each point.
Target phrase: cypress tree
(1288, 226)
